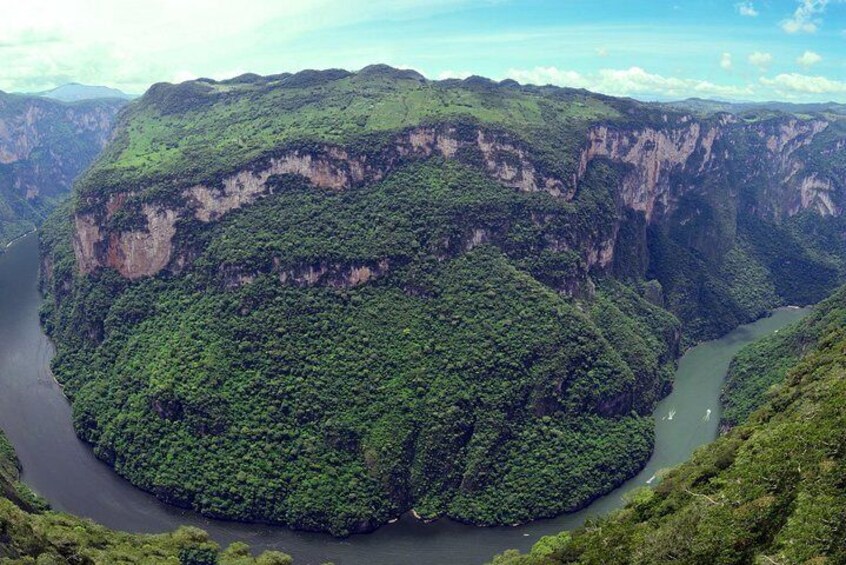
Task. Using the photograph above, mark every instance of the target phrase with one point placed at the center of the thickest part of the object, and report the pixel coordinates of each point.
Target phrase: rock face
(652, 157)
(44, 146)
(660, 165)
(29, 124)
(656, 158)
(147, 251)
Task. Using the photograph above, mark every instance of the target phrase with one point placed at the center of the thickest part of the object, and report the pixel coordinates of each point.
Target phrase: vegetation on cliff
(447, 334)
(428, 388)
(769, 491)
(30, 534)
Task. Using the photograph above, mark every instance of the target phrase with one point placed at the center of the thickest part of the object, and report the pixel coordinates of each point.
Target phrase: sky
(792, 50)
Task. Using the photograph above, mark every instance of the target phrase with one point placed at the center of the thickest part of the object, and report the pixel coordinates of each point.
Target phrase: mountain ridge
(502, 276)
(44, 146)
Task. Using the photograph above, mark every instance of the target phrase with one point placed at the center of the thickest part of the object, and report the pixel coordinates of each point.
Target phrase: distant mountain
(75, 92)
(699, 105)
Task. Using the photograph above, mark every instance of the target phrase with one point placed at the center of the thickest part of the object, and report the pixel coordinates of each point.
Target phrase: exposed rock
(654, 160)
(330, 274)
(336, 275)
(477, 238)
(816, 193)
(325, 166)
(143, 252)
(31, 127)
(653, 155)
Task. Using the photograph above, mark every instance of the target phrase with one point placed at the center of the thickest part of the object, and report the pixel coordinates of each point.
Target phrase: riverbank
(37, 419)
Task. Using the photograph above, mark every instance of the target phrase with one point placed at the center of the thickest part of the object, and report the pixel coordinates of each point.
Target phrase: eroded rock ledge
(140, 253)
(652, 157)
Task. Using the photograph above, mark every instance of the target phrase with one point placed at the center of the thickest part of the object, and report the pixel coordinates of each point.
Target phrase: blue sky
(750, 50)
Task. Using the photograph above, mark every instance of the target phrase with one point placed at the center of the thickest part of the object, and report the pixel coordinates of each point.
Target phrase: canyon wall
(44, 146)
(659, 166)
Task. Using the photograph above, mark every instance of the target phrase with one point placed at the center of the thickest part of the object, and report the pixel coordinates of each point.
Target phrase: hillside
(29, 533)
(328, 298)
(44, 146)
(770, 491)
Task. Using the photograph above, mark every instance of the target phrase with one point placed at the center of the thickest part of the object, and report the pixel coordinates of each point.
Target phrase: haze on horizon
(789, 50)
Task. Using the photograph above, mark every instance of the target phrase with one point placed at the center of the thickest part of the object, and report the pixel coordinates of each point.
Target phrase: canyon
(467, 306)
(44, 146)
(654, 160)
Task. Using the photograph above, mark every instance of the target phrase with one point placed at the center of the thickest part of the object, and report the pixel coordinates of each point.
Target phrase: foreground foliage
(29, 534)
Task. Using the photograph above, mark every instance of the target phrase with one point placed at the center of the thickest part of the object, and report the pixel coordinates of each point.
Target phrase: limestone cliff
(660, 165)
(146, 251)
(44, 146)
(667, 163)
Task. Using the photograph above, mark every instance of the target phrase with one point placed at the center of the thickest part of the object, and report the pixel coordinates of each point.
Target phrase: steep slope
(770, 491)
(762, 367)
(29, 534)
(327, 298)
(44, 145)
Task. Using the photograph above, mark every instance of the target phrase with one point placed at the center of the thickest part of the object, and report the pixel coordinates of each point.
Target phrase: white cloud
(760, 60)
(808, 58)
(793, 83)
(629, 82)
(725, 61)
(132, 43)
(806, 18)
(746, 9)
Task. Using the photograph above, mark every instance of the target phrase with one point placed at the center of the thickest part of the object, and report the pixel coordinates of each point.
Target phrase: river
(36, 417)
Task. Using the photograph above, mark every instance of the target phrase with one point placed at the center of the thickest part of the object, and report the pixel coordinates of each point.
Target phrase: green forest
(769, 491)
(428, 340)
(31, 534)
(433, 388)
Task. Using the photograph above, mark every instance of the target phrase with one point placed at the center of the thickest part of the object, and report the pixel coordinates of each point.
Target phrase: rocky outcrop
(659, 166)
(817, 194)
(138, 251)
(786, 137)
(335, 168)
(653, 156)
(145, 252)
(30, 124)
(336, 275)
(662, 164)
(44, 146)
(793, 187)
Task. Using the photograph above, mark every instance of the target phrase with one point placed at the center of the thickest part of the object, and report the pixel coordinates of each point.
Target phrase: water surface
(36, 417)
